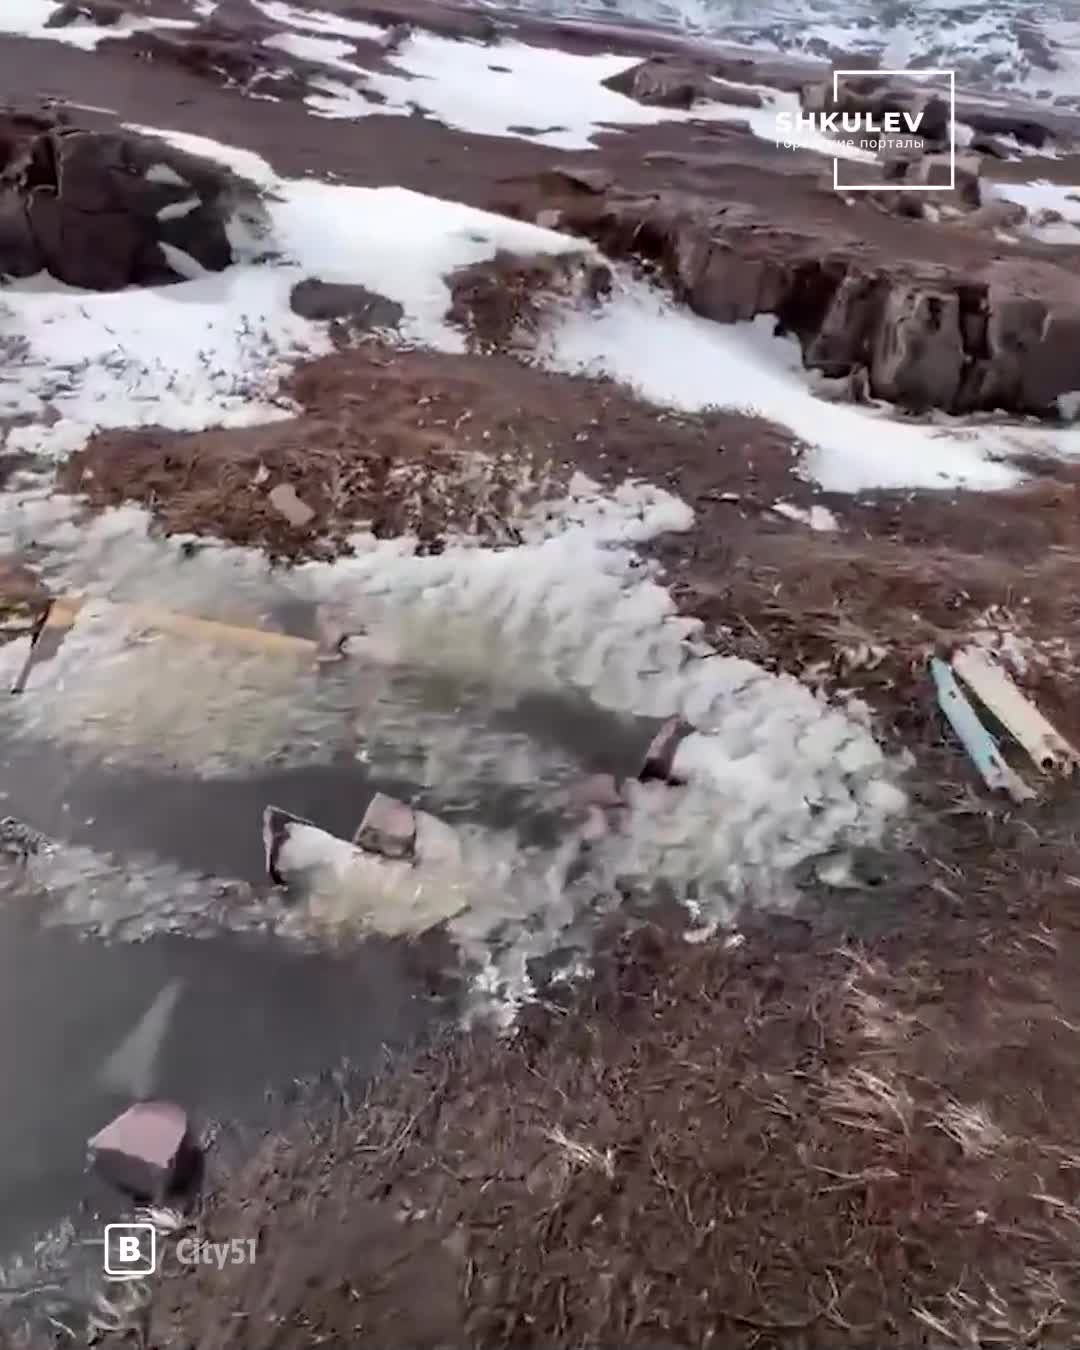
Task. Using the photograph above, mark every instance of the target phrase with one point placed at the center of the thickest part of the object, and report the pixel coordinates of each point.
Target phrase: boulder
(1005, 123)
(992, 146)
(935, 170)
(723, 92)
(663, 83)
(147, 1152)
(361, 309)
(107, 210)
(388, 827)
(997, 214)
(918, 355)
(103, 13)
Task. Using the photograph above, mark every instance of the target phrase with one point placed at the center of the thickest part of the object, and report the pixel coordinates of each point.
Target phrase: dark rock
(363, 309)
(997, 214)
(147, 1152)
(918, 354)
(585, 179)
(1005, 123)
(95, 209)
(19, 252)
(104, 13)
(663, 83)
(388, 827)
(922, 330)
(659, 762)
(935, 170)
(992, 146)
(733, 94)
(879, 95)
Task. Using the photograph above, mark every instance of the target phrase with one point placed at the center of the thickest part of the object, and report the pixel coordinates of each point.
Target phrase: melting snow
(776, 775)
(675, 358)
(508, 88)
(210, 349)
(29, 18)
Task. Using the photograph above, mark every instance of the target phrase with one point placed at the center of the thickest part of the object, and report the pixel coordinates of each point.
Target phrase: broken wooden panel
(994, 688)
(981, 747)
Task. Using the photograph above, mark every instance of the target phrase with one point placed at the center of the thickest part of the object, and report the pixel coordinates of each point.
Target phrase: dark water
(253, 1014)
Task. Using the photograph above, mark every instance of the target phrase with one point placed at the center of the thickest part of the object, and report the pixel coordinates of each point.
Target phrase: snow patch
(817, 517)
(211, 350)
(677, 359)
(29, 18)
(510, 88)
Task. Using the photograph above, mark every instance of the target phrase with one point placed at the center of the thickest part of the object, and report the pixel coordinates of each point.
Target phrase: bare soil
(793, 1142)
(413, 442)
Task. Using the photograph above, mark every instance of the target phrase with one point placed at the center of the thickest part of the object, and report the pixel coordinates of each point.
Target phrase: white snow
(1042, 195)
(817, 517)
(28, 18)
(211, 349)
(315, 21)
(509, 88)
(677, 359)
(321, 50)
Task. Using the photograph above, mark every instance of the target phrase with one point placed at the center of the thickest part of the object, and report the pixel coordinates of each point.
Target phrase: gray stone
(284, 500)
(659, 82)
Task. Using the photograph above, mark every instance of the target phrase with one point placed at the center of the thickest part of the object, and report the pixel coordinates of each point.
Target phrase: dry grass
(786, 1142)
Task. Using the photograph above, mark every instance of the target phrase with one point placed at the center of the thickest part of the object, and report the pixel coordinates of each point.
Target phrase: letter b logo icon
(130, 1250)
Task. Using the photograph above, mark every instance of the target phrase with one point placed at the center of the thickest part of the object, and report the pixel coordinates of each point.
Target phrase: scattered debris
(976, 740)
(284, 500)
(996, 690)
(659, 761)
(388, 827)
(147, 1152)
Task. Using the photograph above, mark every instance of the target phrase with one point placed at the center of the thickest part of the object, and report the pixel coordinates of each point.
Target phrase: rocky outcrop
(1003, 335)
(104, 13)
(667, 82)
(108, 210)
(879, 95)
(661, 82)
